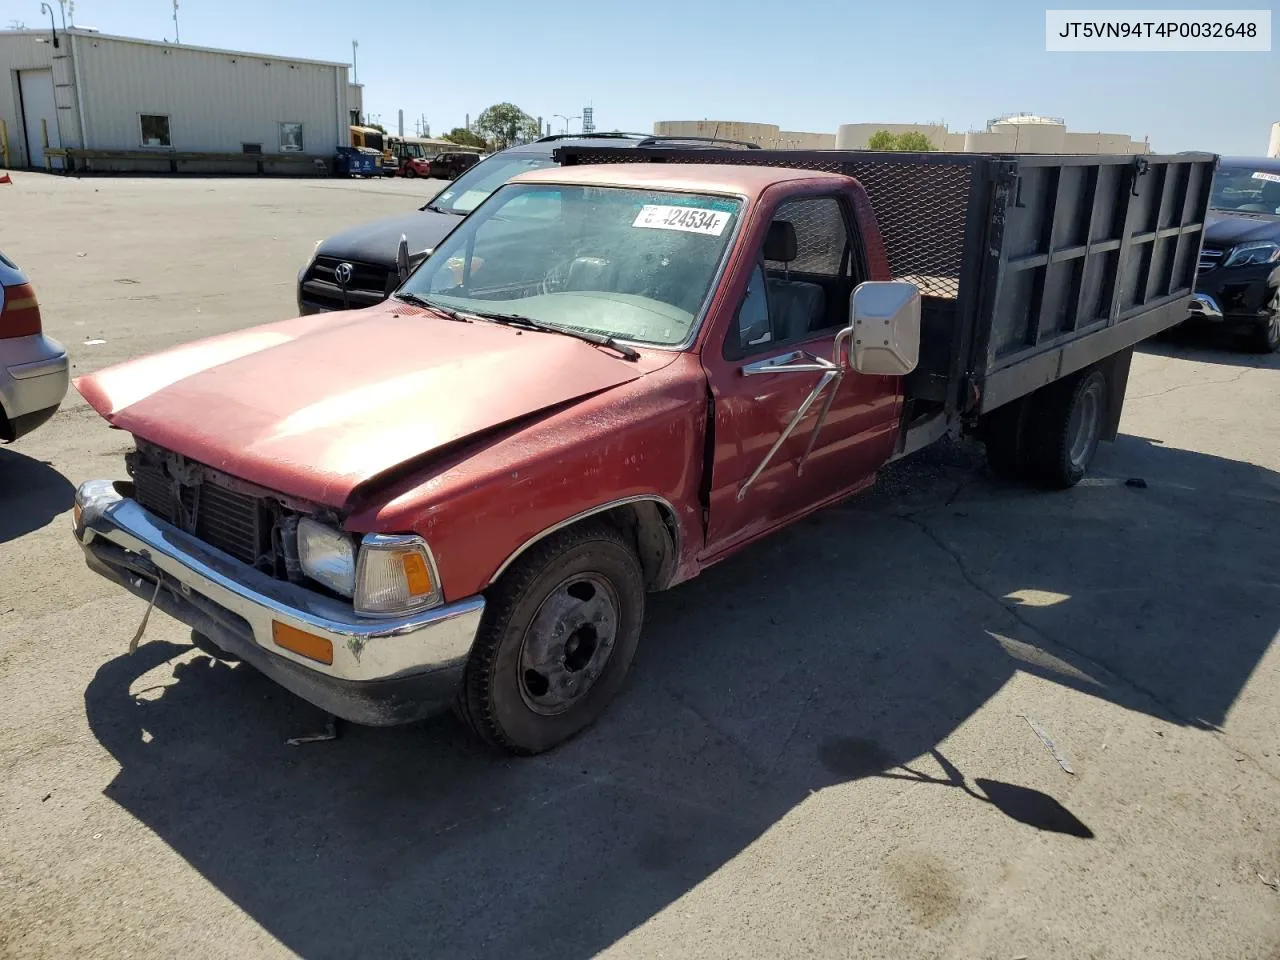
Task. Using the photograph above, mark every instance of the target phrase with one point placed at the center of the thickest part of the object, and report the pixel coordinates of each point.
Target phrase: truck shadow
(32, 494)
(844, 648)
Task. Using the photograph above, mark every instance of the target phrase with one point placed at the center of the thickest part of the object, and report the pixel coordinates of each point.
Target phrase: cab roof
(726, 178)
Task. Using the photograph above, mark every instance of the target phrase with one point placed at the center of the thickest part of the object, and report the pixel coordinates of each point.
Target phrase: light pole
(561, 116)
(53, 28)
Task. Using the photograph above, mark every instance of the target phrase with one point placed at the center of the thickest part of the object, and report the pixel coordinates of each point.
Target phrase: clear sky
(802, 64)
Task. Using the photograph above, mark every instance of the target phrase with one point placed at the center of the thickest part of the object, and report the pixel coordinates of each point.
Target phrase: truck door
(789, 434)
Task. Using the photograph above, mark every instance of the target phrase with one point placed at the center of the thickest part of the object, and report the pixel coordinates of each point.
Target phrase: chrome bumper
(383, 671)
(34, 379)
(1203, 305)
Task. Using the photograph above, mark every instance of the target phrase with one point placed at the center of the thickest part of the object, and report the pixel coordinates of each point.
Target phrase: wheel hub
(1086, 425)
(568, 643)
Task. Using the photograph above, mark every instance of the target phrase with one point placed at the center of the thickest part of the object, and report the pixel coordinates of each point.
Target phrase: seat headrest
(780, 241)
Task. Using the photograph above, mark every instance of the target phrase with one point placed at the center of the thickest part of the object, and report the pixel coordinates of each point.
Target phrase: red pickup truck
(605, 379)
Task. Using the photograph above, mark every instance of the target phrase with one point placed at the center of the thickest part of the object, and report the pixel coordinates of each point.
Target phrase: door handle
(797, 361)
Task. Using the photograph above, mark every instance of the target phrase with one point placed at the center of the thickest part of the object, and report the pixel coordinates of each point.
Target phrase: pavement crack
(1184, 386)
(1093, 663)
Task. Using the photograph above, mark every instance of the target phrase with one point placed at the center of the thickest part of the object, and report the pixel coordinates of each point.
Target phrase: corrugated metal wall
(215, 101)
(24, 51)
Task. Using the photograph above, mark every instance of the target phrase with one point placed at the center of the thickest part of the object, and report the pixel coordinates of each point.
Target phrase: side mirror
(885, 332)
(402, 258)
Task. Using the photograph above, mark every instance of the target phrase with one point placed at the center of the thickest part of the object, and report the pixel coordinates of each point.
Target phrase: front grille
(1209, 258)
(370, 283)
(236, 523)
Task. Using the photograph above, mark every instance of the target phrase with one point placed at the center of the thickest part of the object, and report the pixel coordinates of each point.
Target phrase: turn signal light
(416, 574)
(395, 575)
(301, 642)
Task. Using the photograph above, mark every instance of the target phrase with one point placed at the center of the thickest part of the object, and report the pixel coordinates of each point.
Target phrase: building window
(155, 130)
(290, 138)
(251, 147)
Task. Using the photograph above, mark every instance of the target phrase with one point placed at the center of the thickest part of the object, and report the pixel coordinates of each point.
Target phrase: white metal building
(150, 106)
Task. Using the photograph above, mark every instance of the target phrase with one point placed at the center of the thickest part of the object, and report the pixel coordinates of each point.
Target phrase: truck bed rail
(1032, 266)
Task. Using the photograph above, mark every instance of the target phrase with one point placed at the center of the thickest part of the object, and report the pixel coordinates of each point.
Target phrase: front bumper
(384, 672)
(1235, 296)
(33, 382)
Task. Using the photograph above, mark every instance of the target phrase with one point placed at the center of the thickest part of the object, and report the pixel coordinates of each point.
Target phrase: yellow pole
(4, 142)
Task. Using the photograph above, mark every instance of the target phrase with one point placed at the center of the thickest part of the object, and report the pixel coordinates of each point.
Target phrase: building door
(36, 87)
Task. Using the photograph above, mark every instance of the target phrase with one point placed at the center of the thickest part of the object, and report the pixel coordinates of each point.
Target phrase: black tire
(503, 698)
(209, 648)
(1265, 337)
(1002, 432)
(1063, 429)
(410, 173)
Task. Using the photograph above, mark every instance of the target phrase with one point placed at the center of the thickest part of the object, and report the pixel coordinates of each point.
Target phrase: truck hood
(316, 406)
(378, 240)
(1227, 229)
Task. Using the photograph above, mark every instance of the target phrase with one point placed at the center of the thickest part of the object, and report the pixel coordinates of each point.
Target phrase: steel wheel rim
(1085, 425)
(567, 645)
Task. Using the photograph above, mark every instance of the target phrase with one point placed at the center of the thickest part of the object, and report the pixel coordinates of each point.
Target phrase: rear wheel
(1002, 431)
(410, 172)
(1064, 427)
(557, 637)
(1265, 337)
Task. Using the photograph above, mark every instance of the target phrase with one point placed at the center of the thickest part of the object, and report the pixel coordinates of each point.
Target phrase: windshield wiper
(418, 301)
(528, 323)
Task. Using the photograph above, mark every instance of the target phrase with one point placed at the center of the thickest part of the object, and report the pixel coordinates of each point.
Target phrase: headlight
(328, 556)
(395, 575)
(1247, 254)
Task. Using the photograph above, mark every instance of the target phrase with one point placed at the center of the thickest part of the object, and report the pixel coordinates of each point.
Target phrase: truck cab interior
(803, 284)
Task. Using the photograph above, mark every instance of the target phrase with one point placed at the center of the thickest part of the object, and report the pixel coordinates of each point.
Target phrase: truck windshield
(1246, 189)
(473, 187)
(620, 262)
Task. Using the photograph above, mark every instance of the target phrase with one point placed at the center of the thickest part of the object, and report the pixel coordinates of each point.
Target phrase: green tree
(464, 137)
(882, 140)
(504, 123)
(913, 141)
(530, 129)
(910, 142)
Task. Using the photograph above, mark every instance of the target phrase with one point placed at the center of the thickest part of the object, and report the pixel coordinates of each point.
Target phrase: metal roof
(96, 35)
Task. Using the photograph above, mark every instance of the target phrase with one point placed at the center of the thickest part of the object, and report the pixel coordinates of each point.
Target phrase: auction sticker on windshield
(1263, 175)
(689, 219)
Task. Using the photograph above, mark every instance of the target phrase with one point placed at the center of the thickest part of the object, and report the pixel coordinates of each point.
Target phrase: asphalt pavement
(850, 740)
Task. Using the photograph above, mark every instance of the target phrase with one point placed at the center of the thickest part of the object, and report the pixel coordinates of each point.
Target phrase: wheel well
(650, 524)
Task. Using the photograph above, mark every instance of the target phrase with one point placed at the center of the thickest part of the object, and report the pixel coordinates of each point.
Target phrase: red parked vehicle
(604, 380)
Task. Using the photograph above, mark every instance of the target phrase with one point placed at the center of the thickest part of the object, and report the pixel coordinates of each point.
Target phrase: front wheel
(410, 172)
(1265, 337)
(557, 637)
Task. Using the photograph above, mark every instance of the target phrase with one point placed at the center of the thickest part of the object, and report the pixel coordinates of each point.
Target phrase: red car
(444, 166)
(604, 380)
